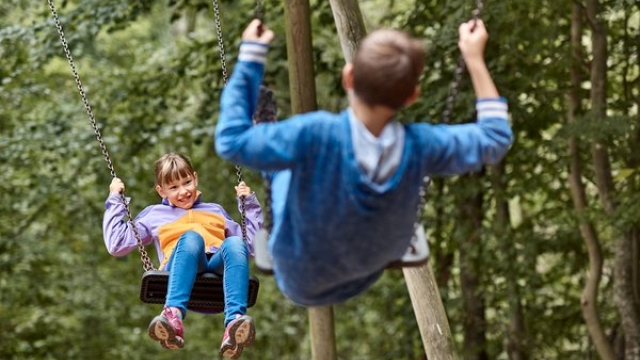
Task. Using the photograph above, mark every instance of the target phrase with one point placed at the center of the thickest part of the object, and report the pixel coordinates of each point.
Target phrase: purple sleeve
(118, 235)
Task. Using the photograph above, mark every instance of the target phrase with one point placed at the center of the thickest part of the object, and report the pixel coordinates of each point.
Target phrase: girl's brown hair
(172, 167)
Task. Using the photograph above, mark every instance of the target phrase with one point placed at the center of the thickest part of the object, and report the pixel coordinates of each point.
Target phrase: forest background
(536, 258)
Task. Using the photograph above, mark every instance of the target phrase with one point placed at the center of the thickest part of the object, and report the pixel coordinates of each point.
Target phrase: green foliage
(153, 74)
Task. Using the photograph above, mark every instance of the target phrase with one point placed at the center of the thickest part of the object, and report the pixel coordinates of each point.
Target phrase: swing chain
(223, 61)
(243, 209)
(259, 12)
(218, 22)
(85, 101)
(446, 115)
(460, 68)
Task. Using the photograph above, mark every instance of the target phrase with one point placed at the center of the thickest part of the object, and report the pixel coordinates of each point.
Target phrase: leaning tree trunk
(623, 283)
(589, 300)
(427, 304)
(303, 99)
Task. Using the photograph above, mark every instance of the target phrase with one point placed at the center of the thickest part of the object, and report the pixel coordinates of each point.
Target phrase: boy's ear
(347, 76)
(195, 178)
(413, 97)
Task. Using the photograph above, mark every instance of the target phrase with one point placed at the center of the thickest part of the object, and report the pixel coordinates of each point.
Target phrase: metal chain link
(460, 68)
(103, 148)
(450, 102)
(268, 223)
(266, 111)
(259, 12)
(223, 61)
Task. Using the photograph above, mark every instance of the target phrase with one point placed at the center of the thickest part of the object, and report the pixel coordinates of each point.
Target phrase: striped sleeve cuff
(492, 108)
(253, 52)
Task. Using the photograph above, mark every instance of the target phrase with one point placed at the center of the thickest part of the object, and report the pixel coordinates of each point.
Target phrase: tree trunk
(517, 339)
(300, 54)
(303, 99)
(430, 314)
(350, 25)
(589, 300)
(443, 255)
(623, 284)
(321, 326)
(633, 162)
(424, 292)
(475, 341)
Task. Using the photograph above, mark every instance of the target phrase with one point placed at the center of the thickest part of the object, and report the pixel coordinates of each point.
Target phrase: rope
(143, 253)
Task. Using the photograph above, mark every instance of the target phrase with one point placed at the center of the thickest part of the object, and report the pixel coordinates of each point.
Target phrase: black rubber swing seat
(417, 254)
(207, 295)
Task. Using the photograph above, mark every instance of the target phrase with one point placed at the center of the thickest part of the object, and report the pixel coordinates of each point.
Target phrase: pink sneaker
(167, 329)
(239, 334)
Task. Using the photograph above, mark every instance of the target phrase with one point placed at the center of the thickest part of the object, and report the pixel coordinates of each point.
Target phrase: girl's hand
(116, 187)
(243, 190)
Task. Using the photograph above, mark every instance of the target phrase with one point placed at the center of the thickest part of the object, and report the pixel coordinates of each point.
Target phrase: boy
(346, 186)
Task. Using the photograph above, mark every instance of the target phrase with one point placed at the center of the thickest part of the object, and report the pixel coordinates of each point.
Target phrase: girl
(190, 237)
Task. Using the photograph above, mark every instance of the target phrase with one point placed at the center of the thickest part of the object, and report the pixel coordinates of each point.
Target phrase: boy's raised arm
(472, 39)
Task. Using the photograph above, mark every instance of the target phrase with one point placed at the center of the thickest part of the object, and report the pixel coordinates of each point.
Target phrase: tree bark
(430, 313)
(589, 299)
(321, 326)
(517, 339)
(300, 54)
(633, 162)
(350, 25)
(623, 284)
(443, 256)
(303, 99)
(475, 341)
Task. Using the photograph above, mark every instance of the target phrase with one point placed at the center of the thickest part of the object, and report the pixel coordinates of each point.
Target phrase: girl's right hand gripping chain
(116, 187)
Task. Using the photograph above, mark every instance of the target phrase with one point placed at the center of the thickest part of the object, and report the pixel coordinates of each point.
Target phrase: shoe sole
(241, 335)
(161, 331)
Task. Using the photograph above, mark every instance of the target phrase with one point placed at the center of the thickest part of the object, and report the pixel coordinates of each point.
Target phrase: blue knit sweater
(335, 230)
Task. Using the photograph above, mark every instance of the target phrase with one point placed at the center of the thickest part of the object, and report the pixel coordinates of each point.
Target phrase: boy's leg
(232, 260)
(188, 258)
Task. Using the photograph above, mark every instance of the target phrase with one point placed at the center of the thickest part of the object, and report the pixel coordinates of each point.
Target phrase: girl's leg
(187, 260)
(232, 261)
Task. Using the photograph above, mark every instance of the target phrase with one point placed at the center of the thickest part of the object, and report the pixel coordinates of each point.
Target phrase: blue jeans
(189, 259)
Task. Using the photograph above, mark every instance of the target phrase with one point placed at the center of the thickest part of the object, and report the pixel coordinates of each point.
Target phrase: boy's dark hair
(386, 68)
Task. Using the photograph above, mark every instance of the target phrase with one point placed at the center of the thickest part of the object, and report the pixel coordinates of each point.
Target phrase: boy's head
(386, 68)
(176, 180)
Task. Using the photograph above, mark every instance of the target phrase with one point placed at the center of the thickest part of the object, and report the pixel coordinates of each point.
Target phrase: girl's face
(181, 193)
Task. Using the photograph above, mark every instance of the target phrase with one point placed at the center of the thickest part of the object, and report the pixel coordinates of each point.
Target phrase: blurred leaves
(153, 74)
